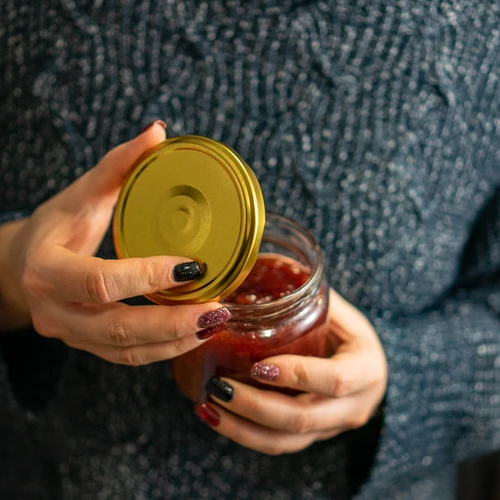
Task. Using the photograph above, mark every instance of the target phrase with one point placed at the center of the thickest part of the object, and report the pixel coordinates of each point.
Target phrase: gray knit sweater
(374, 123)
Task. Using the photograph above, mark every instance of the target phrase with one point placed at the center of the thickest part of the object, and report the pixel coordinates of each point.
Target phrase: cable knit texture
(376, 124)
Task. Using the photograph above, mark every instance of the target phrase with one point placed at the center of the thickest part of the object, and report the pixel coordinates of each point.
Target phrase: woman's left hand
(337, 393)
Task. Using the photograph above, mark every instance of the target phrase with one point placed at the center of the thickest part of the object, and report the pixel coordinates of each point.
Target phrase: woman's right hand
(48, 274)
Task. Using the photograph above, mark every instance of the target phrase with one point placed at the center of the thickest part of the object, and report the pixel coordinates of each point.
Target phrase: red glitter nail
(207, 414)
(214, 318)
(263, 371)
(209, 332)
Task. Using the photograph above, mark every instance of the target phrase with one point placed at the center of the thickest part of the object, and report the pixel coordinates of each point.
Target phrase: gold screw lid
(194, 197)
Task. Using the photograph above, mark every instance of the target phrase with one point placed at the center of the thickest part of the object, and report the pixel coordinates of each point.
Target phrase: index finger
(80, 278)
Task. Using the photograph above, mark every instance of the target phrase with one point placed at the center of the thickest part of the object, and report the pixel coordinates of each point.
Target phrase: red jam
(270, 279)
(299, 329)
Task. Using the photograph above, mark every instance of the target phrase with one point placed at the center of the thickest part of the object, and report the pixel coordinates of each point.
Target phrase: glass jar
(281, 308)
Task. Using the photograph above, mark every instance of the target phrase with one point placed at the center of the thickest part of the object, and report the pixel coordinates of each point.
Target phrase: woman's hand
(48, 274)
(339, 393)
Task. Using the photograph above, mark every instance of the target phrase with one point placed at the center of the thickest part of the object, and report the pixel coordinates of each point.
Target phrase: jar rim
(311, 286)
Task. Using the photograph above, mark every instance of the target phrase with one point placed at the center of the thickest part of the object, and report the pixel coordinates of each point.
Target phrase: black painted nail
(220, 389)
(210, 332)
(154, 122)
(187, 271)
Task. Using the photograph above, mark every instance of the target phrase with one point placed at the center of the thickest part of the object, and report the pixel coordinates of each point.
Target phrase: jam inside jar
(280, 308)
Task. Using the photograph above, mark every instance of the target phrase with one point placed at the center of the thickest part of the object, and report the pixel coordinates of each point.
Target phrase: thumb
(86, 205)
(103, 182)
(346, 322)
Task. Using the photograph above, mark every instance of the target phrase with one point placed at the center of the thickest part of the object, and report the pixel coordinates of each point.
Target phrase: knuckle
(31, 282)
(45, 327)
(176, 329)
(98, 287)
(121, 336)
(301, 423)
(254, 408)
(341, 385)
(130, 356)
(150, 272)
(301, 374)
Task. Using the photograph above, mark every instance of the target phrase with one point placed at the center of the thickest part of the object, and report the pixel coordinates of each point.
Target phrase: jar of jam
(280, 308)
(195, 197)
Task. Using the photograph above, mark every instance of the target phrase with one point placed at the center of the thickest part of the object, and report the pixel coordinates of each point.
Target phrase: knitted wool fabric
(375, 124)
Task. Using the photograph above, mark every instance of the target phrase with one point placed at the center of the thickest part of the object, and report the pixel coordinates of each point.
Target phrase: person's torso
(375, 125)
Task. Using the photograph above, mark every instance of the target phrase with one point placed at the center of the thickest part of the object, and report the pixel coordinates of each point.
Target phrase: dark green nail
(220, 389)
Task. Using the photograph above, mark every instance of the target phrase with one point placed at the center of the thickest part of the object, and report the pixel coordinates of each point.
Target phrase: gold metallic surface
(193, 197)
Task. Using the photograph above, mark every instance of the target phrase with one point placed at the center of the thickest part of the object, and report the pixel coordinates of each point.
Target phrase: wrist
(14, 311)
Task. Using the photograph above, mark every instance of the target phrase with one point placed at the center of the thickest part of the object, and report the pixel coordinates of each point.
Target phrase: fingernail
(220, 389)
(214, 318)
(207, 414)
(187, 271)
(263, 371)
(210, 332)
(154, 122)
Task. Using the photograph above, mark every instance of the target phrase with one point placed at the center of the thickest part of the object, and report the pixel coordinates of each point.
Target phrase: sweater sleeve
(11, 216)
(443, 397)
(28, 376)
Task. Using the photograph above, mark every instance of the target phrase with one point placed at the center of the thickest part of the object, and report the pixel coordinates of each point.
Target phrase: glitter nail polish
(210, 332)
(264, 371)
(214, 318)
